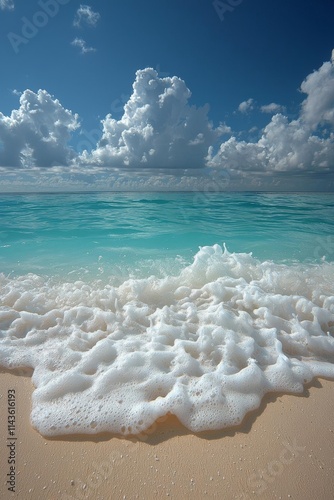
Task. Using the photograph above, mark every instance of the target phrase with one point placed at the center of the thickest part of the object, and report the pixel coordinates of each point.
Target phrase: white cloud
(289, 146)
(158, 128)
(84, 49)
(318, 107)
(253, 130)
(272, 108)
(37, 133)
(7, 4)
(283, 147)
(86, 16)
(246, 106)
(224, 129)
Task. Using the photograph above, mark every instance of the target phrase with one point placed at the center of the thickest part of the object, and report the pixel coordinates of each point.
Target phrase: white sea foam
(204, 345)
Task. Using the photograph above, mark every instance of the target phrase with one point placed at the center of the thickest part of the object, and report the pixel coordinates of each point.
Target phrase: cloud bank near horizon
(161, 131)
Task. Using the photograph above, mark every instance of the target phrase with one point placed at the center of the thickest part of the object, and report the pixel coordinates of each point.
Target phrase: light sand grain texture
(284, 450)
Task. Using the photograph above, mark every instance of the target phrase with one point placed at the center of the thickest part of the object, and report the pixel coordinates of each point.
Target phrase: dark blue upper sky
(258, 49)
(262, 50)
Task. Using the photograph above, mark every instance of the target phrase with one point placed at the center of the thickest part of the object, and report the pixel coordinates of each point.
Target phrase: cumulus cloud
(246, 106)
(272, 108)
(37, 133)
(283, 147)
(318, 107)
(290, 146)
(85, 16)
(6, 4)
(82, 45)
(158, 128)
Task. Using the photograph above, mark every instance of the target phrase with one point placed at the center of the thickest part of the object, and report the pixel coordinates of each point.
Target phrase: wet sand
(283, 450)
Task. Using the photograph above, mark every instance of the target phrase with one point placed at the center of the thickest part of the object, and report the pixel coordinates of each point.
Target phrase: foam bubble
(204, 345)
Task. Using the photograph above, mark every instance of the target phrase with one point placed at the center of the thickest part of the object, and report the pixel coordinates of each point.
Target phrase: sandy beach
(284, 450)
(167, 250)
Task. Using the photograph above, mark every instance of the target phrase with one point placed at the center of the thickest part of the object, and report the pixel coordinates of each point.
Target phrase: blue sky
(262, 68)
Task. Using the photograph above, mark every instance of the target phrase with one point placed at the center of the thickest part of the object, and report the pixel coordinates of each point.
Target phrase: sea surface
(129, 306)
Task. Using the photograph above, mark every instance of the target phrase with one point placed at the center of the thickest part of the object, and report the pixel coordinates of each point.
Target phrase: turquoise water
(140, 233)
(109, 302)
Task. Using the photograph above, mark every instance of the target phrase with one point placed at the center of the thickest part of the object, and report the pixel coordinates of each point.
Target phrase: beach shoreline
(284, 448)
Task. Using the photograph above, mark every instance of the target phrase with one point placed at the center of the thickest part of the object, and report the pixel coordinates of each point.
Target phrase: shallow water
(129, 233)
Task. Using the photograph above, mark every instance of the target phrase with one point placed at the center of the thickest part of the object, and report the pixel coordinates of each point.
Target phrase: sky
(178, 95)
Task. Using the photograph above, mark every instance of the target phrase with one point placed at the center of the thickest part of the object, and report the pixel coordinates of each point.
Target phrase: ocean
(126, 307)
